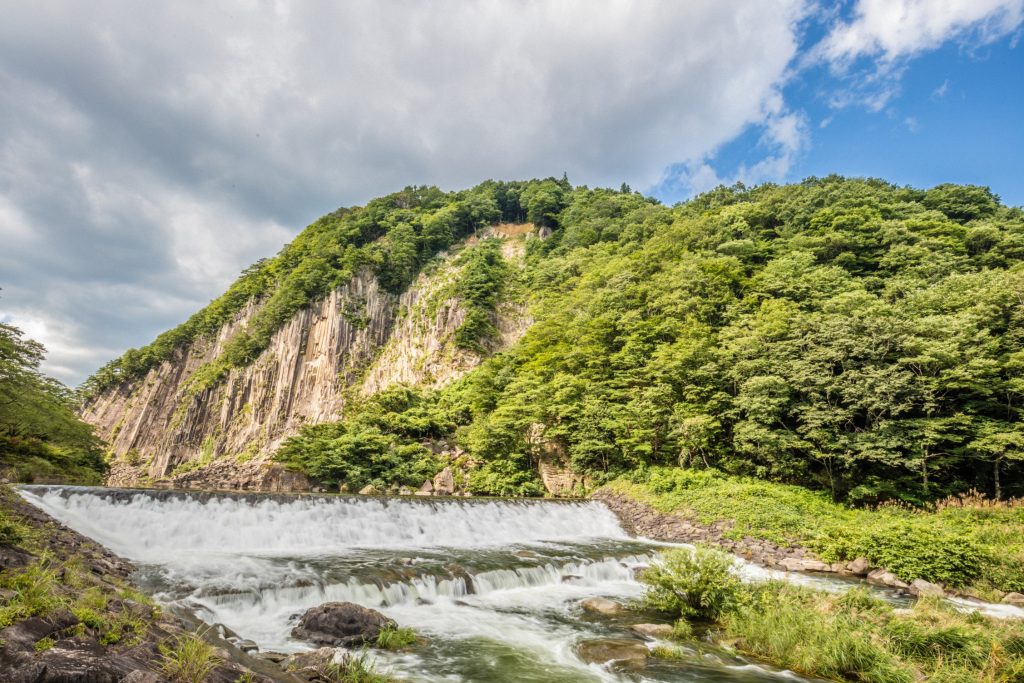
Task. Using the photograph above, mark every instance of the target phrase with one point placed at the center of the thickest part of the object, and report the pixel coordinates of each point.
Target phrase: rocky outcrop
(341, 624)
(359, 337)
(558, 477)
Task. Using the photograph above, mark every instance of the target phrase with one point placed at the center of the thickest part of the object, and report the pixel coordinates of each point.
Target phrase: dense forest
(41, 438)
(844, 334)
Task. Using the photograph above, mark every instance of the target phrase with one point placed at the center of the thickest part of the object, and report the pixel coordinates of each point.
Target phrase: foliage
(395, 638)
(853, 637)
(481, 283)
(970, 541)
(40, 435)
(187, 658)
(843, 335)
(699, 583)
(392, 237)
(354, 667)
(378, 444)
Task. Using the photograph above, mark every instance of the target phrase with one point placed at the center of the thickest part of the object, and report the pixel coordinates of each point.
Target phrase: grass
(353, 668)
(856, 637)
(36, 592)
(960, 542)
(188, 658)
(395, 638)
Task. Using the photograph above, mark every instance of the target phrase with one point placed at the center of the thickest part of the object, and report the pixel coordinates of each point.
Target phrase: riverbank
(69, 612)
(966, 546)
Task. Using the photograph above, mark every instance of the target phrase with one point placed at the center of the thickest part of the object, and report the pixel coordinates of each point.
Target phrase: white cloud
(894, 29)
(156, 150)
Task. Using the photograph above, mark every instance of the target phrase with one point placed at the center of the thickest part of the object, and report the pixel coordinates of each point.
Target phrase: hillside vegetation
(845, 335)
(41, 438)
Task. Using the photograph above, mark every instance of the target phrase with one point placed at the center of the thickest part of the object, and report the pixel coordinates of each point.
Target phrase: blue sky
(148, 154)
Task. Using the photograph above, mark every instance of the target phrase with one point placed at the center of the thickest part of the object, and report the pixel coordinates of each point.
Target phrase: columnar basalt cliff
(360, 339)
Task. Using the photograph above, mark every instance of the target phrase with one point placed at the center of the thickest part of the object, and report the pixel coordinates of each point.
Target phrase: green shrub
(912, 548)
(699, 583)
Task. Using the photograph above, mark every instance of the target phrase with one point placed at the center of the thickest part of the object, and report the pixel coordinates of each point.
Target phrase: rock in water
(368, 490)
(652, 630)
(602, 606)
(1016, 599)
(920, 588)
(630, 653)
(341, 624)
(881, 577)
(860, 566)
(444, 482)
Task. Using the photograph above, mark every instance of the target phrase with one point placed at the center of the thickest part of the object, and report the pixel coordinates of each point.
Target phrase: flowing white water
(494, 586)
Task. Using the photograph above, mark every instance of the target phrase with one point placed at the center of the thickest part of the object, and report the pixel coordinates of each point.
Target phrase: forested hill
(843, 334)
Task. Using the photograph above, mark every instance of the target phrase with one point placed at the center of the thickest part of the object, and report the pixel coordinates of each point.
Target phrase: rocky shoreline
(640, 519)
(63, 642)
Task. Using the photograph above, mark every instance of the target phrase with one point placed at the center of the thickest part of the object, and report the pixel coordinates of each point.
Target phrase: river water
(493, 586)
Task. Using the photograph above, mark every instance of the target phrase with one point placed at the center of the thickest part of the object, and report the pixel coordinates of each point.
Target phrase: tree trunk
(924, 469)
(995, 478)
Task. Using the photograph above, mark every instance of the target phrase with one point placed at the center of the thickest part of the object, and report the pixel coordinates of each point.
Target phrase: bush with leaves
(700, 584)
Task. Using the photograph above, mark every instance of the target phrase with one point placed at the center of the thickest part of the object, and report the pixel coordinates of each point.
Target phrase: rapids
(492, 585)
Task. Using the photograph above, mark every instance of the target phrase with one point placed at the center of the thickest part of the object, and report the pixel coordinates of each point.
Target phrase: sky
(150, 151)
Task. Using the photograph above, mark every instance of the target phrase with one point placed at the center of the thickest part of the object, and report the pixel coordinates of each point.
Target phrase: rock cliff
(358, 339)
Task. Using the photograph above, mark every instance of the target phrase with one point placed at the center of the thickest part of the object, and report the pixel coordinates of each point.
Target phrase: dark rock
(341, 624)
(247, 646)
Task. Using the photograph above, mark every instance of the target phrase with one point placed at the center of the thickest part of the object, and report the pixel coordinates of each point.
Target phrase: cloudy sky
(150, 151)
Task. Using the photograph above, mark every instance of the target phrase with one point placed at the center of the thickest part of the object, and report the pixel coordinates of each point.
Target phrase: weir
(151, 525)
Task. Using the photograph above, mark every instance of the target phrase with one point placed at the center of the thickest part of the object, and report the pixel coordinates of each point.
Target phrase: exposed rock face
(558, 477)
(444, 482)
(341, 624)
(357, 336)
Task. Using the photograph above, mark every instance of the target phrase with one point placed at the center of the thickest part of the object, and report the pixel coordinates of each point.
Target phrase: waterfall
(159, 525)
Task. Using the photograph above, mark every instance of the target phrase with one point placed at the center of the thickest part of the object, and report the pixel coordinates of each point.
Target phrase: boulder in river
(341, 624)
(803, 564)
(368, 490)
(621, 651)
(881, 577)
(652, 630)
(860, 566)
(602, 606)
(921, 588)
(1015, 599)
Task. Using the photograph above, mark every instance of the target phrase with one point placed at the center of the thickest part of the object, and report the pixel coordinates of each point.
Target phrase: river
(493, 586)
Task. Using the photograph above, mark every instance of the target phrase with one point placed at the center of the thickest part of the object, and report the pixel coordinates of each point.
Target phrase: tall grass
(852, 636)
(188, 658)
